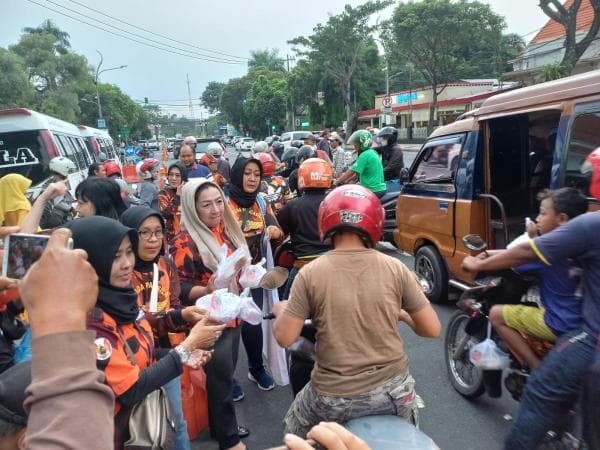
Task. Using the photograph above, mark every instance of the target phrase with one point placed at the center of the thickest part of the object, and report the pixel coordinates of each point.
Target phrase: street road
(453, 422)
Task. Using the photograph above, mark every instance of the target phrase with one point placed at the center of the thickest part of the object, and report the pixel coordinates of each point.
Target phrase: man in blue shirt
(187, 155)
(559, 284)
(553, 388)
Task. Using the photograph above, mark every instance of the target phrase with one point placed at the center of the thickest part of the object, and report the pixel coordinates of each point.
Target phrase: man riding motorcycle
(360, 365)
(391, 153)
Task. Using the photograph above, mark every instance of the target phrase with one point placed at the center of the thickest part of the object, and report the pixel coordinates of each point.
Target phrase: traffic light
(273, 127)
(119, 136)
(146, 100)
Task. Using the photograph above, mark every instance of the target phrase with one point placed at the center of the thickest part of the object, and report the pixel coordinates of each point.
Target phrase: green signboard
(305, 124)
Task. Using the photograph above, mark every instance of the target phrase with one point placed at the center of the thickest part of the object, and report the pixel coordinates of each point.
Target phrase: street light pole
(96, 79)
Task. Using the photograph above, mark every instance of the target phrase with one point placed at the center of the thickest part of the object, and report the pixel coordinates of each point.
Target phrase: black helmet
(305, 152)
(390, 134)
(290, 157)
(278, 148)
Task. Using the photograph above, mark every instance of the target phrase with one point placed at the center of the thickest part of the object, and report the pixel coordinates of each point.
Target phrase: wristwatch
(183, 353)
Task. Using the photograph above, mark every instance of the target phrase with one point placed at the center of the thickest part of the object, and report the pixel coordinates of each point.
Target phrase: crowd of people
(121, 304)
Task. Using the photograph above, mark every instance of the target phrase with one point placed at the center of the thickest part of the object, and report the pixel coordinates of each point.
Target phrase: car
(294, 138)
(245, 144)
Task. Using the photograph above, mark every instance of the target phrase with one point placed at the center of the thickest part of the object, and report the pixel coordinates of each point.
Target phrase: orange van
(482, 174)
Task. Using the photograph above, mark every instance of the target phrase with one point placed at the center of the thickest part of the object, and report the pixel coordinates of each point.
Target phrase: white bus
(29, 140)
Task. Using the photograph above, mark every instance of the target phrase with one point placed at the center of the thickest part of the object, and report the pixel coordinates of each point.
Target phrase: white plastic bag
(229, 266)
(252, 274)
(223, 306)
(487, 356)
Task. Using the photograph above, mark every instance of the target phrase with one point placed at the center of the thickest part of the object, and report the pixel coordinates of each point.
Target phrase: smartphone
(21, 251)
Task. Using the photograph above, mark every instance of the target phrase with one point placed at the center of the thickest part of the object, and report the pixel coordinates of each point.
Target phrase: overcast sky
(233, 27)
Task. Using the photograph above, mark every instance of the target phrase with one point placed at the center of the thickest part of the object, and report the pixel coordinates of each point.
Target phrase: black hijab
(236, 186)
(101, 237)
(182, 169)
(133, 218)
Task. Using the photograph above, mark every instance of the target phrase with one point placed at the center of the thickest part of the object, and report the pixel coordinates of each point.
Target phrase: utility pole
(190, 97)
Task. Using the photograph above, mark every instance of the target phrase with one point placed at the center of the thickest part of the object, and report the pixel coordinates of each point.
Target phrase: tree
(48, 27)
(15, 89)
(567, 17)
(266, 102)
(211, 97)
(444, 39)
(267, 59)
(232, 99)
(335, 47)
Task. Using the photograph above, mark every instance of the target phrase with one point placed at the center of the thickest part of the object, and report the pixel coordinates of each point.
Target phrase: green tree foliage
(47, 27)
(211, 97)
(266, 102)
(15, 89)
(266, 59)
(232, 98)
(446, 41)
(335, 47)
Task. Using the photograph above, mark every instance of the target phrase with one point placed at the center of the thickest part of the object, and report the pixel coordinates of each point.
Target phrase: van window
(585, 137)
(69, 150)
(439, 161)
(24, 152)
(80, 145)
(79, 154)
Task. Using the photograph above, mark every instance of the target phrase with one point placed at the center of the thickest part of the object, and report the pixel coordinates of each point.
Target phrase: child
(561, 311)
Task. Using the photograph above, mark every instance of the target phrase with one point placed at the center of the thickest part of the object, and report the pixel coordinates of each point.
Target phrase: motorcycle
(470, 325)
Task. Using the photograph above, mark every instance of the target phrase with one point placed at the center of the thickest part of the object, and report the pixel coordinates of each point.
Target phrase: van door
(426, 206)
(582, 138)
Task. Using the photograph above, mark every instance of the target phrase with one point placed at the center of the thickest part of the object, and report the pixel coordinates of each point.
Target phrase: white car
(246, 144)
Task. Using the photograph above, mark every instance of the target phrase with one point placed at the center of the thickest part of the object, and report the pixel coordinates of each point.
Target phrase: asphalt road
(453, 422)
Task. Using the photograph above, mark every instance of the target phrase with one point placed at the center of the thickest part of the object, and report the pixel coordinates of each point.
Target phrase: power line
(215, 58)
(158, 34)
(166, 50)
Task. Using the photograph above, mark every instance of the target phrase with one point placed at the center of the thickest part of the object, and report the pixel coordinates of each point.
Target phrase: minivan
(100, 141)
(482, 174)
(29, 140)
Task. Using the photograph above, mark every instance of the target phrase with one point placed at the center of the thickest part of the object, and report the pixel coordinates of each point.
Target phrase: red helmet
(352, 207)
(314, 173)
(144, 167)
(207, 159)
(267, 162)
(112, 168)
(593, 160)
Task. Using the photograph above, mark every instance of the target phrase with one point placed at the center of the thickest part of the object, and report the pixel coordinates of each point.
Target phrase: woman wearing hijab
(14, 205)
(255, 217)
(209, 223)
(169, 199)
(125, 348)
(164, 312)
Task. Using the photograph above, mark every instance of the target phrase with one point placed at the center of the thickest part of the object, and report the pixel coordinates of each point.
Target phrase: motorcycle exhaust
(492, 381)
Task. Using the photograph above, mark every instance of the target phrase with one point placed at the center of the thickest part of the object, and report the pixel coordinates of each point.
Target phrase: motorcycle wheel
(464, 376)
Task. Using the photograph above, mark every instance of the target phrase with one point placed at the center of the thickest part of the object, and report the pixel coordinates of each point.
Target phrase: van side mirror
(404, 175)
(474, 242)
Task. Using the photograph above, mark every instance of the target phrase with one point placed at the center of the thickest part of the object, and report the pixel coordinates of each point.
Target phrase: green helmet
(363, 138)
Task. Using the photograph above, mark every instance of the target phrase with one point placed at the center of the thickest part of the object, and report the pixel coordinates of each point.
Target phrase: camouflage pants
(394, 397)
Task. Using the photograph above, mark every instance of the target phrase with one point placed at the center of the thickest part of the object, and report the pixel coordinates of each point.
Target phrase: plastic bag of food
(229, 266)
(487, 356)
(252, 274)
(224, 306)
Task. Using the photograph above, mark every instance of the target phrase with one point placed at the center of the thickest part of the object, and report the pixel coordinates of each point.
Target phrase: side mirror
(404, 174)
(474, 242)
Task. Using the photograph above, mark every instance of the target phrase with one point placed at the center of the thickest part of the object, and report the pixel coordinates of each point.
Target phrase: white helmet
(214, 149)
(190, 140)
(260, 147)
(62, 166)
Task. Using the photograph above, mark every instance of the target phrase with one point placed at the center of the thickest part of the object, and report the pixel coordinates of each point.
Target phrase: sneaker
(237, 392)
(262, 379)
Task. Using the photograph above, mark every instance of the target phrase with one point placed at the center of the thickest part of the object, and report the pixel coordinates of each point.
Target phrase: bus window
(79, 154)
(24, 152)
(585, 137)
(69, 149)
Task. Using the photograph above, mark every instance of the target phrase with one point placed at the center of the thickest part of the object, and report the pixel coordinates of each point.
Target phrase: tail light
(49, 144)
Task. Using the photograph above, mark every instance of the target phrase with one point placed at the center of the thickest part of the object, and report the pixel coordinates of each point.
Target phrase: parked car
(481, 175)
(294, 138)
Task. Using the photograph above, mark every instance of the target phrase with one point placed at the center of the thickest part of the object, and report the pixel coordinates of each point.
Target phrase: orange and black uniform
(170, 208)
(276, 191)
(125, 348)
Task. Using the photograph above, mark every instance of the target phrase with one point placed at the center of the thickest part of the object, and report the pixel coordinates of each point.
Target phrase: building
(547, 48)
(409, 110)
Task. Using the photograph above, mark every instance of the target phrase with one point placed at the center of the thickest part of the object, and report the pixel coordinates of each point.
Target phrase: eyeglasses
(147, 234)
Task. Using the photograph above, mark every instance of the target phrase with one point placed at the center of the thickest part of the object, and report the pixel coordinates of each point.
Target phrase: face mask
(384, 142)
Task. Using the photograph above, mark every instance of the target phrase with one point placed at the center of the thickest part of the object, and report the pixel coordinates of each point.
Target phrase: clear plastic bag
(229, 266)
(224, 306)
(252, 274)
(487, 356)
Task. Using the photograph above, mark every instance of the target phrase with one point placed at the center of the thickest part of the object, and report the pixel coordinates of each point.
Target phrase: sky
(225, 29)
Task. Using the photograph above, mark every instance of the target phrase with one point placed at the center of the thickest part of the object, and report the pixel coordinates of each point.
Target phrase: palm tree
(62, 37)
